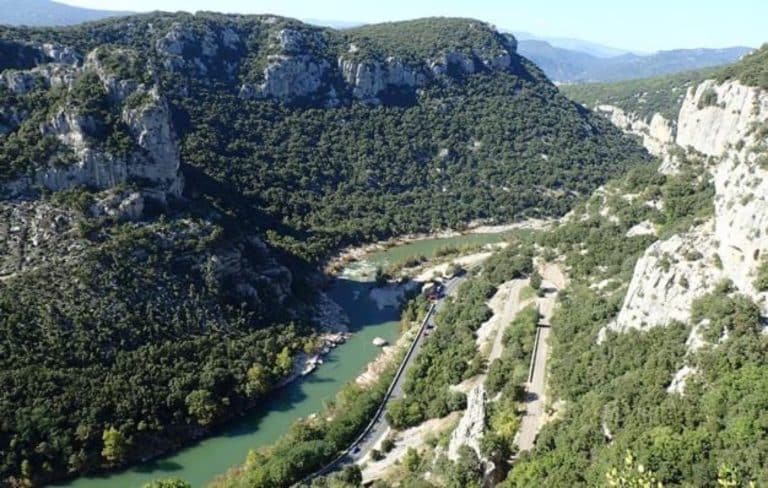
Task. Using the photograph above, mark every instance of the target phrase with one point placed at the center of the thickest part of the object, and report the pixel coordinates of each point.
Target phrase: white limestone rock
(150, 126)
(673, 273)
(644, 228)
(289, 77)
(711, 129)
(667, 278)
(120, 205)
(368, 79)
(469, 432)
(657, 134)
(62, 54)
(679, 379)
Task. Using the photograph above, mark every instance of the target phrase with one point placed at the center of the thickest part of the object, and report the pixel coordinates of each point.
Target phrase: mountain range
(563, 60)
(576, 66)
(48, 13)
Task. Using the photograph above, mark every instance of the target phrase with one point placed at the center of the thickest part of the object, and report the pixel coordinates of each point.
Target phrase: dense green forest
(484, 146)
(210, 293)
(644, 97)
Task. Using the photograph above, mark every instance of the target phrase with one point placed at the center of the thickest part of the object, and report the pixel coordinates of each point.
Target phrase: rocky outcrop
(62, 54)
(302, 67)
(157, 165)
(203, 51)
(668, 277)
(369, 79)
(657, 134)
(724, 122)
(471, 427)
(155, 161)
(289, 77)
(34, 233)
(716, 116)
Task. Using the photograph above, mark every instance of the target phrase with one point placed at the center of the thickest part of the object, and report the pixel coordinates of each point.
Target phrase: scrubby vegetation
(663, 95)
(208, 294)
(615, 393)
(421, 39)
(752, 70)
(450, 355)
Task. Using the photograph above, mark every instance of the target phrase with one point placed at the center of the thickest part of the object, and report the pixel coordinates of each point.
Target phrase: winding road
(378, 427)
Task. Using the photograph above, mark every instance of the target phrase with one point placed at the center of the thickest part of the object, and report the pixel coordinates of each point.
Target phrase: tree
(257, 380)
(535, 280)
(115, 445)
(200, 405)
(632, 475)
(412, 460)
(467, 471)
(26, 469)
(351, 474)
(387, 444)
(284, 362)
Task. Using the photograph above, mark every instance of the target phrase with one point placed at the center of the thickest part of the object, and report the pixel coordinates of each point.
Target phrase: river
(201, 462)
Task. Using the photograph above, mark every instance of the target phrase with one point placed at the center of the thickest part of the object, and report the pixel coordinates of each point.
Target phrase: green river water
(200, 463)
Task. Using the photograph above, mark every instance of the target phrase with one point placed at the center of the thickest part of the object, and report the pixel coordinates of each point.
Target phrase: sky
(636, 25)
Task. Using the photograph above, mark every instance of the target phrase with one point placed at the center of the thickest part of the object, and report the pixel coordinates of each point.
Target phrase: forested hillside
(169, 183)
(663, 95)
(752, 70)
(657, 368)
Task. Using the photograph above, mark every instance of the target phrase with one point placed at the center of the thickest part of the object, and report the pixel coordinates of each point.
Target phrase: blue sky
(647, 25)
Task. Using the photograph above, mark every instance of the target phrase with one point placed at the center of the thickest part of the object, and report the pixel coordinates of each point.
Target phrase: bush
(761, 281)
(707, 99)
(387, 444)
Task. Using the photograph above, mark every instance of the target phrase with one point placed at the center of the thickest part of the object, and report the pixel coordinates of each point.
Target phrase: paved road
(379, 426)
(537, 381)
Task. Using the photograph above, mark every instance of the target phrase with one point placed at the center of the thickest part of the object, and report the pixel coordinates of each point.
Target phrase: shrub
(761, 281)
(707, 99)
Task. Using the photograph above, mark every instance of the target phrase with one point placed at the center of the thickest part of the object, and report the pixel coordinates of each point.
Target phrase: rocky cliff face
(291, 73)
(727, 123)
(154, 159)
(715, 116)
(657, 135)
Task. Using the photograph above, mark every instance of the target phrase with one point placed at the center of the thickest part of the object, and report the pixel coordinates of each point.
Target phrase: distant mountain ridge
(572, 44)
(49, 13)
(573, 66)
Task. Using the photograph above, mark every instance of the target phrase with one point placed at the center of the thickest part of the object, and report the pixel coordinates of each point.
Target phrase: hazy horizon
(633, 26)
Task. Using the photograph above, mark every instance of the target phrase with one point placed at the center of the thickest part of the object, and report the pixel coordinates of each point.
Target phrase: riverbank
(215, 452)
(351, 254)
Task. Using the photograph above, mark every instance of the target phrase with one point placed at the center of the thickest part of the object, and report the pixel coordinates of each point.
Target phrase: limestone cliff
(153, 158)
(726, 123)
(657, 134)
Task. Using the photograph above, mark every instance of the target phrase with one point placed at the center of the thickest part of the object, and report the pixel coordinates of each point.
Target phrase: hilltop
(170, 183)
